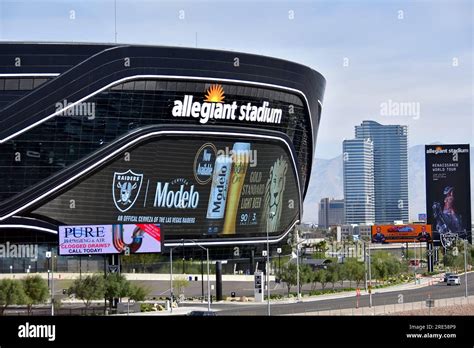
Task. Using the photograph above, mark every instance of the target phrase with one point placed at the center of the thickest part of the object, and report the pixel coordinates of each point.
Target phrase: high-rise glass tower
(390, 143)
(331, 212)
(358, 173)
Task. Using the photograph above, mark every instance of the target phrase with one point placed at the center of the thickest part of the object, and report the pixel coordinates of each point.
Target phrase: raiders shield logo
(448, 239)
(125, 189)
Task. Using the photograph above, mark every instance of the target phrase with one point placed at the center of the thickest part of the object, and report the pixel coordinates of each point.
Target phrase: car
(201, 314)
(453, 280)
(446, 276)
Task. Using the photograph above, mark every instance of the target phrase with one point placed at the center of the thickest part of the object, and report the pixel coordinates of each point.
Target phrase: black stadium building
(209, 145)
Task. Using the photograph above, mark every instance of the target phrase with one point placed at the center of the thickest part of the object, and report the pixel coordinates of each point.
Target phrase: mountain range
(327, 181)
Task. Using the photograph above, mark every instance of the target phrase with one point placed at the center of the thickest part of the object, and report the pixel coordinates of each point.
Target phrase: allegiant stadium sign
(213, 107)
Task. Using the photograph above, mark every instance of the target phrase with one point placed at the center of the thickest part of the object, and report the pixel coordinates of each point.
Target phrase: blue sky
(399, 56)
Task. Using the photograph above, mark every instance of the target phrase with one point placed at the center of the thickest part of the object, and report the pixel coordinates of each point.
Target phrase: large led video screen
(448, 193)
(217, 187)
(412, 233)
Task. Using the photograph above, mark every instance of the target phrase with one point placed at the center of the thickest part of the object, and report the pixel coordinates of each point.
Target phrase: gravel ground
(451, 310)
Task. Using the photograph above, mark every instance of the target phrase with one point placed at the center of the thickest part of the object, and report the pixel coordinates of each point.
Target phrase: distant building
(390, 146)
(331, 212)
(358, 175)
(362, 231)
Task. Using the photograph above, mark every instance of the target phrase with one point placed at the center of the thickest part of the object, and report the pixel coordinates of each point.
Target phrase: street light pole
(208, 283)
(171, 280)
(370, 279)
(465, 265)
(297, 271)
(52, 283)
(208, 272)
(365, 266)
(414, 249)
(202, 279)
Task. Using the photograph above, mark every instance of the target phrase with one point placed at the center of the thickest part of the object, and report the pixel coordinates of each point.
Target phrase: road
(437, 291)
(159, 288)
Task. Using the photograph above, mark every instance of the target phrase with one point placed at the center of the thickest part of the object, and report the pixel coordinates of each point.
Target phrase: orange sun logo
(215, 94)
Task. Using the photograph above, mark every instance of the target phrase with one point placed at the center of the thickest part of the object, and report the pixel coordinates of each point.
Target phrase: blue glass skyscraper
(390, 144)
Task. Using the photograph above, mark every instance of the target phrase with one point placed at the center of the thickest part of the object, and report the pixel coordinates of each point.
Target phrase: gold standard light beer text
(240, 159)
(218, 195)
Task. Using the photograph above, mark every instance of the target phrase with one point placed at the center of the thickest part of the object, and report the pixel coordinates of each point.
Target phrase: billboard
(109, 239)
(213, 188)
(384, 234)
(448, 194)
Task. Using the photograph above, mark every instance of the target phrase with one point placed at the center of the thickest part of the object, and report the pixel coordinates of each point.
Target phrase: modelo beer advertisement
(109, 239)
(211, 188)
(412, 233)
(448, 194)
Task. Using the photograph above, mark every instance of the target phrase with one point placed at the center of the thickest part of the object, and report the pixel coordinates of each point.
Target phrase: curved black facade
(72, 112)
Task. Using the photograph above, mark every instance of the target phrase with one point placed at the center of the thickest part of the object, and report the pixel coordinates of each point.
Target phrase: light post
(202, 279)
(171, 279)
(279, 261)
(208, 279)
(365, 266)
(414, 249)
(298, 295)
(465, 266)
(48, 256)
(11, 270)
(298, 272)
(52, 284)
(208, 272)
(370, 278)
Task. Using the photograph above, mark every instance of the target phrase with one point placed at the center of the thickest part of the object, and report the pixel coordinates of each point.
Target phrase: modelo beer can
(240, 163)
(218, 196)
